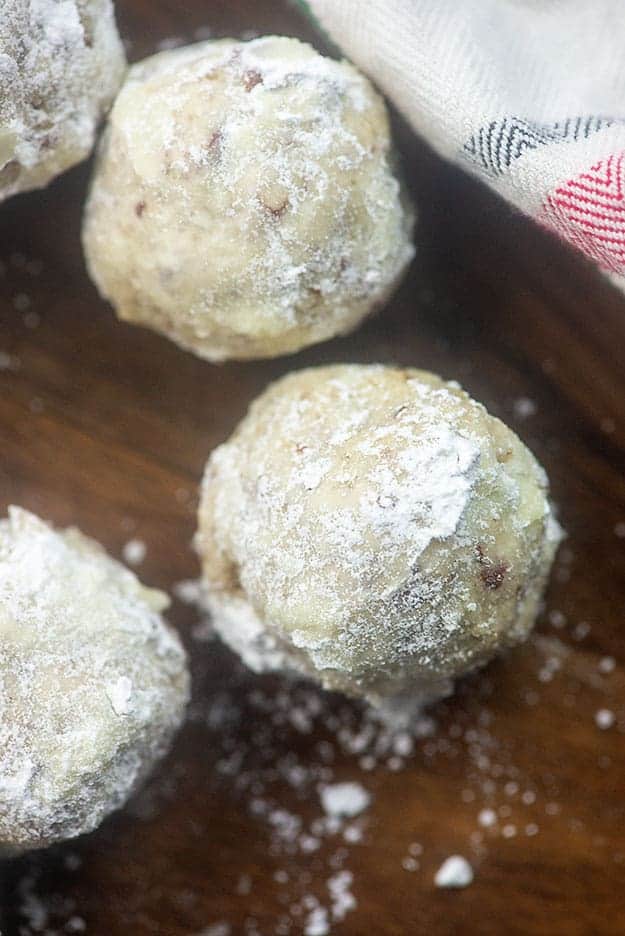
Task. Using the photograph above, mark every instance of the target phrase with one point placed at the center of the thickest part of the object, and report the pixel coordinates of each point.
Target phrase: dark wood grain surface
(108, 427)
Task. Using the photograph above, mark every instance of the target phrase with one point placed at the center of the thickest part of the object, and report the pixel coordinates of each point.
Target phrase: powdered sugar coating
(375, 528)
(244, 202)
(93, 683)
(61, 63)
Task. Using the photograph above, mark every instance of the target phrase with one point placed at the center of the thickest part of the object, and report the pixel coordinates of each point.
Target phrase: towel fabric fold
(529, 95)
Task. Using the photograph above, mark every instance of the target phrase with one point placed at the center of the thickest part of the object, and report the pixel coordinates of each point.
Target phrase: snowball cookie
(244, 202)
(374, 528)
(93, 683)
(61, 63)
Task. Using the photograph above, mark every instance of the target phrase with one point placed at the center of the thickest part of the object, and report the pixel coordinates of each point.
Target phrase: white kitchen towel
(527, 94)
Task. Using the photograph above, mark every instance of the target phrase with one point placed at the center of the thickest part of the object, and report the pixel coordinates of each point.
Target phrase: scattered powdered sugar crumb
(318, 922)
(353, 834)
(607, 664)
(607, 425)
(31, 908)
(581, 630)
(170, 42)
(344, 799)
(557, 619)
(216, 929)
(36, 405)
(72, 861)
(202, 33)
(343, 901)
(31, 320)
(189, 591)
(244, 885)
(7, 361)
(21, 302)
(604, 718)
(524, 408)
(193, 592)
(619, 529)
(487, 818)
(76, 924)
(455, 871)
(134, 551)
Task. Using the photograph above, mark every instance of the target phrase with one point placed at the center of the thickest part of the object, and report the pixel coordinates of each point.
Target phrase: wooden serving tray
(108, 427)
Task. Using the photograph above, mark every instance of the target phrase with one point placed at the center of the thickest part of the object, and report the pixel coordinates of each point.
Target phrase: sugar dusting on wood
(279, 744)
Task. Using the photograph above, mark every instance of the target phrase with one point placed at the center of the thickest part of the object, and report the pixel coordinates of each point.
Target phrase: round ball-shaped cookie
(61, 63)
(373, 528)
(93, 683)
(244, 202)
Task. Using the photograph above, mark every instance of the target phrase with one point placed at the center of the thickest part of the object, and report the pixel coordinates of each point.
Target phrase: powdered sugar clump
(134, 551)
(455, 871)
(120, 695)
(487, 818)
(344, 799)
(343, 901)
(604, 718)
(318, 922)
